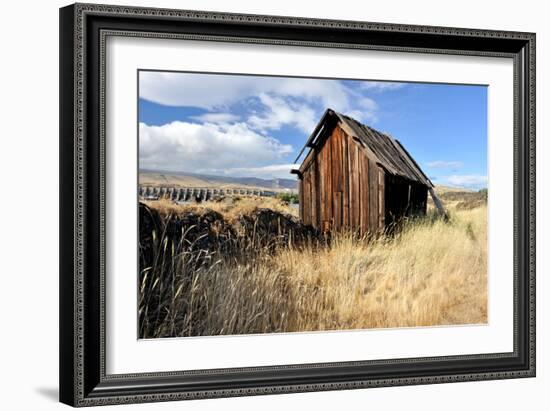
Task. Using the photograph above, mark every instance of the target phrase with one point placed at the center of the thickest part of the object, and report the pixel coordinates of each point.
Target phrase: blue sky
(238, 125)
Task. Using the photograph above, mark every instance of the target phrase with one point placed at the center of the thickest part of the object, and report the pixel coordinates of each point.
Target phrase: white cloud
(467, 181)
(216, 118)
(202, 147)
(267, 172)
(209, 91)
(280, 111)
(445, 164)
(217, 92)
(195, 90)
(233, 136)
(380, 85)
(327, 93)
(367, 103)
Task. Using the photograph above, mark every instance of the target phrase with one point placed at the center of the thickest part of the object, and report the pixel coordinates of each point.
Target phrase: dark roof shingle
(382, 148)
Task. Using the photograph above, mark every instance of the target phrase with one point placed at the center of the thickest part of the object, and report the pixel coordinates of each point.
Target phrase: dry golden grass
(231, 209)
(430, 273)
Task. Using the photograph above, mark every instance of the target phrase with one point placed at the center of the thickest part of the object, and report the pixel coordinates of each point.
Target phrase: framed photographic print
(261, 204)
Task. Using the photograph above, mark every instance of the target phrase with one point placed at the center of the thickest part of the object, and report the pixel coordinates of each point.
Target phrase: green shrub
(291, 198)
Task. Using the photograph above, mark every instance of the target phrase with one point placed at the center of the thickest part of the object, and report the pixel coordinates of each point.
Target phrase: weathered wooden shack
(357, 177)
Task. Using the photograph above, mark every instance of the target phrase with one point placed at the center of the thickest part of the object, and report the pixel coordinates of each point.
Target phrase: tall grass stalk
(427, 273)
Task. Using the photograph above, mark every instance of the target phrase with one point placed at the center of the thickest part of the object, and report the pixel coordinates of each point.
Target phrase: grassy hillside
(460, 198)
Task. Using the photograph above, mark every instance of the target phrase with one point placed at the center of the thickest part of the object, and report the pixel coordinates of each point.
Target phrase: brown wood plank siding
(381, 200)
(346, 178)
(301, 199)
(307, 198)
(336, 167)
(322, 186)
(373, 196)
(364, 193)
(337, 210)
(354, 185)
(328, 175)
(314, 191)
(344, 187)
(326, 189)
(305, 190)
(311, 190)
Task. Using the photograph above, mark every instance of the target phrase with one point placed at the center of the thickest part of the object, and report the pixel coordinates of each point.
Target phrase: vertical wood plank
(337, 210)
(365, 206)
(318, 193)
(301, 199)
(342, 172)
(381, 200)
(313, 173)
(353, 186)
(328, 165)
(335, 179)
(304, 196)
(346, 177)
(373, 196)
(307, 203)
(311, 198)
(336, 163)
(322, 184)
(356, 188)
(408, 212)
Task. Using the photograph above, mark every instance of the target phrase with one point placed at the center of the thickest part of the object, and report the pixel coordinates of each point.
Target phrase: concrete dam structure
(199, 193)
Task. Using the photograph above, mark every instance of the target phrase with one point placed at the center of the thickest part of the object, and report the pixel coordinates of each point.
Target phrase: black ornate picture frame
(83, 32)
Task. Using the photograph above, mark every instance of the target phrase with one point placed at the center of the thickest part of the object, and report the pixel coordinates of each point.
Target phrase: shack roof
(386, 151)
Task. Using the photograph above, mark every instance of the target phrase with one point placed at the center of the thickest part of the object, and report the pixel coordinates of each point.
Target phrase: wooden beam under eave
(297, 172)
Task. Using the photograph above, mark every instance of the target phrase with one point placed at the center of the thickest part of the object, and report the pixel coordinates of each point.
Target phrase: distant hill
(184, 179)
(442, 190)
(460, 198)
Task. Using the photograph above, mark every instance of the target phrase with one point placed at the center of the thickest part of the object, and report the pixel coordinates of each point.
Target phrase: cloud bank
(467, 181)
(218, 92)
(206, 147)
(234, 131)
(445, 164)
